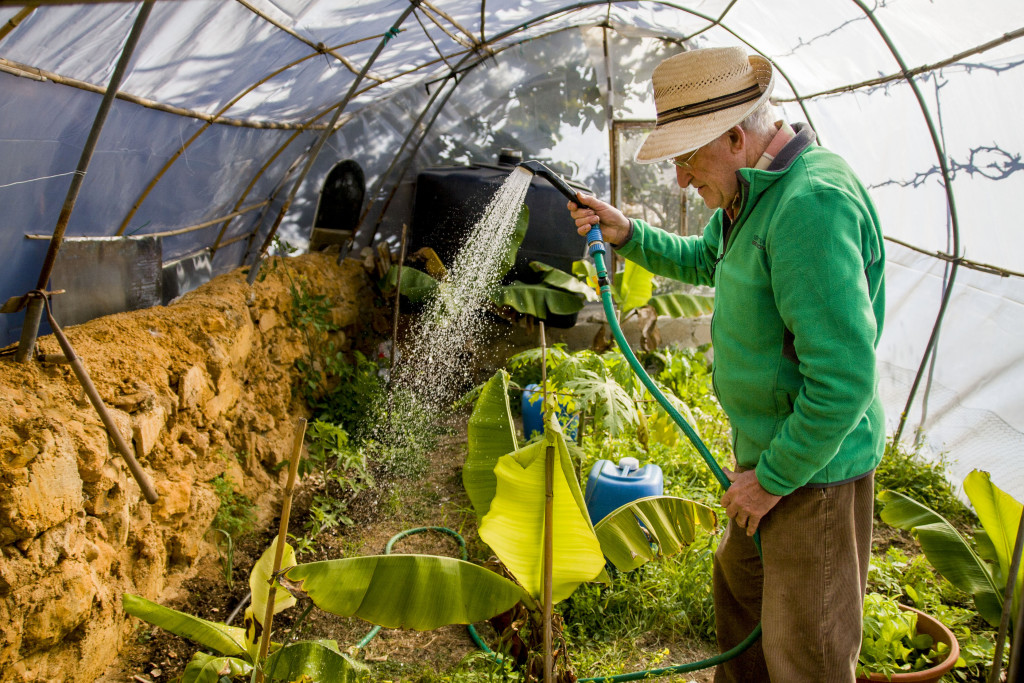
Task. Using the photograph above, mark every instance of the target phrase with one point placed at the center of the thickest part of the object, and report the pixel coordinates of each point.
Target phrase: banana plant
(236, 648)
(506, 490)
(633, 290)
(981, 569)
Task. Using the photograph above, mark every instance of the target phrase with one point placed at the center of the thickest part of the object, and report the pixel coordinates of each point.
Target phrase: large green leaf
(537, 300)
(420, 592)
(492, 434)
(417, 286)
(679, 305)
(560, 279)
(948, 551)
(514, 526)
(320, 660)
(633, 286)
(259, 582)
(227, 640)
(999, 514)
(614, 408)
(207, 668)
(639, 531)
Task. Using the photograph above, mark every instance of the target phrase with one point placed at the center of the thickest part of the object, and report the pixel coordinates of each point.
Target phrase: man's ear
(737, 139)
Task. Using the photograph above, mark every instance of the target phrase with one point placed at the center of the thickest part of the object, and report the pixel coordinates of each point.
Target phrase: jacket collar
(805, 137)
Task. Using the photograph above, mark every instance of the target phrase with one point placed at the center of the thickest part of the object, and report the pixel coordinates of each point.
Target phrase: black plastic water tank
(449, 200)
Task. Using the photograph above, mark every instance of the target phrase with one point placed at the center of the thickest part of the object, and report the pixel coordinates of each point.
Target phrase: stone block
(175, 498)
(269, 320)
(229, 390)
(56, 605)
(146, 429)
(193, 388)
(51, 491)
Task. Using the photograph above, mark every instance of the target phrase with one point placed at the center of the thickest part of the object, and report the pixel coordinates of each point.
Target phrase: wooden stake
(282, 537)
(549, 521)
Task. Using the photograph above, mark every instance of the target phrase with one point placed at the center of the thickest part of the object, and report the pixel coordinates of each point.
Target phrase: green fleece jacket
(799, 302)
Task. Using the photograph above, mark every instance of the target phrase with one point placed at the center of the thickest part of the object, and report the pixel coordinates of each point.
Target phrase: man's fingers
(751, 525)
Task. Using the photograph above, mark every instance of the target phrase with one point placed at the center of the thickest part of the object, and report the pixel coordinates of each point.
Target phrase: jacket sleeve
(691, 258)
(822, 293)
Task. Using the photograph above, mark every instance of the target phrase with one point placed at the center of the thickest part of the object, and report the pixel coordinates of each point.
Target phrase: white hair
(761, 121)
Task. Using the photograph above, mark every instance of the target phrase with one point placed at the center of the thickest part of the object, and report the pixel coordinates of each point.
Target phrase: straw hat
(701, 94)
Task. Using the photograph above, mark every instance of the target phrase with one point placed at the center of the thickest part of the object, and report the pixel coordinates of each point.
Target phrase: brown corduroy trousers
(808, 594)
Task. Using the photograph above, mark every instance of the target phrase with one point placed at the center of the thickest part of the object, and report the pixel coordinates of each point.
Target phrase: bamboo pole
(97, 402)
(30, 328)
(13, 22)
(319, 48)
(549, 518)
(1004, 621)
(282, 538)
(25, 71)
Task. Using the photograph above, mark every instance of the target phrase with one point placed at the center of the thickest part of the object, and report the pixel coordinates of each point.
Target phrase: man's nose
(683, 177)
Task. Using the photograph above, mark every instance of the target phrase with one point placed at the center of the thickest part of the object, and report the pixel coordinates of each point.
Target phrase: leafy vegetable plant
(890, 642)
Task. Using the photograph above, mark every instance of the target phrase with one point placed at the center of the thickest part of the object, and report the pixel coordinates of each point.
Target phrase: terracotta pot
(938, 631)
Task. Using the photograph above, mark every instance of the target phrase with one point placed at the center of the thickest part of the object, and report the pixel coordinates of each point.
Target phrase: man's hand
(745, 501)
(588, 211)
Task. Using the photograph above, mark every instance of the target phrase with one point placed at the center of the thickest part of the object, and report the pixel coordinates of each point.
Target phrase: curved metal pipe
(954, 221)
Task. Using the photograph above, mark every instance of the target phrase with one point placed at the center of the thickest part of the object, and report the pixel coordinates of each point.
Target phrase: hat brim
(681, 137)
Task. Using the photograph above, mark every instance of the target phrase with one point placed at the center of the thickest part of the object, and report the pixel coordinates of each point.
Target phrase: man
(795, 254)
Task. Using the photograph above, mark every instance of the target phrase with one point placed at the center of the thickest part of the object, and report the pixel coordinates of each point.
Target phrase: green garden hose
(595, 244)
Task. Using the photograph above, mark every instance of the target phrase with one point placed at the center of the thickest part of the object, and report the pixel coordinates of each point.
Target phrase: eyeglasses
(685, 163)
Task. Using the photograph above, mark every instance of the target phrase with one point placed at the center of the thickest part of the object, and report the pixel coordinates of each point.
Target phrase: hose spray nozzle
(594, 239)
(537, 168)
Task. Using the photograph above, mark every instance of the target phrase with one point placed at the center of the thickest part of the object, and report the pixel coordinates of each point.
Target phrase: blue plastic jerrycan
(533, 416)
(611, 486)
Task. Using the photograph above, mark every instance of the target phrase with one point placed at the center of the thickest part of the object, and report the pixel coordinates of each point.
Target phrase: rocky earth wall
(200, 388)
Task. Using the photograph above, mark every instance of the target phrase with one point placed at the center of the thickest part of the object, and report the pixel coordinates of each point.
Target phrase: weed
(343, 474)
(235, 517)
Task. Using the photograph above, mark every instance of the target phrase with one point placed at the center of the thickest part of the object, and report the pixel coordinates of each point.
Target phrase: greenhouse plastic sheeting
(210, 144)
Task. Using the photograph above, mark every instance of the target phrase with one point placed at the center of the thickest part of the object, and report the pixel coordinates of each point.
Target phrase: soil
(435, 499)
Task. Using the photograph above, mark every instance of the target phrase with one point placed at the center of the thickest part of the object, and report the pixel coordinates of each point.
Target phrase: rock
(229, 390)
(193, 388)
(175, 498)
(50, 490)
(146, 429)
(56, 606)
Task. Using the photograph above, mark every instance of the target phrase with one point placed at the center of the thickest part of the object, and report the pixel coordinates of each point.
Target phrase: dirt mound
(202, 388)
